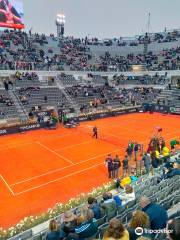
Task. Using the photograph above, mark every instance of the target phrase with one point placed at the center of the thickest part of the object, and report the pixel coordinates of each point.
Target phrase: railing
(6, 73)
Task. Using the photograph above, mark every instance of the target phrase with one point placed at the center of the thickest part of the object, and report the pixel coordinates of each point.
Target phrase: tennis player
(95, 132)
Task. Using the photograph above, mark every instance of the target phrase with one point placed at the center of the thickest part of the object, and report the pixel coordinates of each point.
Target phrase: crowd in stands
(165, 60)
(5, 100)
(19, 50)
(142, 79)
(151, 38)
(95, 97)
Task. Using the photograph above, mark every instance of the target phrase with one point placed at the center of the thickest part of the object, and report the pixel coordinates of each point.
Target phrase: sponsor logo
(83, 118)
(4, 131)
(131, 110)
(28, 127)
(103, 115)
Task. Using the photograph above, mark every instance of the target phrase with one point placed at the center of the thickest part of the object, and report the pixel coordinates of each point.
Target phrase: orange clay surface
(43, 167)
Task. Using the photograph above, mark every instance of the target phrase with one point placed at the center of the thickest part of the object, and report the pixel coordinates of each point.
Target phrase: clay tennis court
(40, 168)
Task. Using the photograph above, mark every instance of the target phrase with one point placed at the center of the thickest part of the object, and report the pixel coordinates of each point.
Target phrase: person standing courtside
(95, 132)
(129, 151)
(136, 148)
(125, 166)
(117, 165)
(109, 165)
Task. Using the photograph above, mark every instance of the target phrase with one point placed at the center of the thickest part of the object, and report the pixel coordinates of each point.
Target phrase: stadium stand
(40, 52)
(27, 58)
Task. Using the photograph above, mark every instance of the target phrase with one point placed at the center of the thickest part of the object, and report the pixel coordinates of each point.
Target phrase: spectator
(171, 172)
(6, 86)
(108, 203)
(54, 233)
(147, 162)
(86, 225)
(154, 160)
(128, 195)
(157, 214)
(116, 166)
(68, 223)
(174, 227)
(139, 219)
(129, 151)
(125, 166)
(45, 98)
(116, 231)
(10, 84)
(109, 165)
(136, 148)
(94, 206)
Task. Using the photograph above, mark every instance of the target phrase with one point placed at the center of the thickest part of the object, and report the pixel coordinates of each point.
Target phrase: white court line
(7, 185)
(60, 169)
(74, 145)
(11, 145)
(57, 136)
(118, 136)
(56, 180)
(57, 154)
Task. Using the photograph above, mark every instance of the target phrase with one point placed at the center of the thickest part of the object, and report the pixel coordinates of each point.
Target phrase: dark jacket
(110, 165)
(157, 215)
(117, 163)
(54, 235)
(155, 163)
(136, 148)
(171, 173)
(68, 227)
(125, 163)
(129, 150)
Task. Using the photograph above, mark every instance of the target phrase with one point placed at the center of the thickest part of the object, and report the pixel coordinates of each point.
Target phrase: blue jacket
(172, 173)
(96, 210)
(118, 201)
(157, 215)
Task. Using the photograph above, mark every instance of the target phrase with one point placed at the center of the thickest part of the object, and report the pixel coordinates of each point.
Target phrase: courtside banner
(11, 14)
(93, 116)
(22, 128)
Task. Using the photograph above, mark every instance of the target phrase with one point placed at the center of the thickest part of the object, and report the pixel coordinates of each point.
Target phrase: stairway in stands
(22, 113)
(71, 102)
